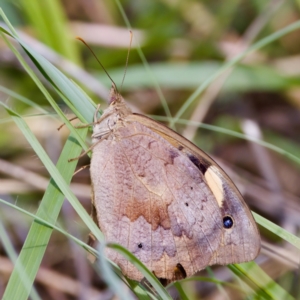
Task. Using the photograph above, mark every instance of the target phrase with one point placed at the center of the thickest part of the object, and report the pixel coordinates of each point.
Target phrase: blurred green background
(177, 45)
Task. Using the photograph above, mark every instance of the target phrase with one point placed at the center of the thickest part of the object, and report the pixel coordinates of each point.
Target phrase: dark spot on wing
(173, 154)
(179, 272)
(163, 281)
(197, 163)
(150, 144)
(180, 147)
(227, 222)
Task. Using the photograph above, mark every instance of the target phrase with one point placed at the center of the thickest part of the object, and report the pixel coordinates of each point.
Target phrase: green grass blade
(38, 237)
(62, 83)
(11, 253)
(146, 65)
(51, 225)
(279, 231)
(219, 286)
(258, 45)
(162, 292)
(45, 92)
(265, 286)
(55, 174)
(11, 28)
(84, 105)
(242, 79)
(57, 78)
(139, 290)
(213, 280)
(275, 148)
(181, 291)
(50, 23)
(23, 99)
(113, 281)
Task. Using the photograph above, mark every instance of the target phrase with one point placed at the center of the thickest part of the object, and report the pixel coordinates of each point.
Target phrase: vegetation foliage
(225, 75)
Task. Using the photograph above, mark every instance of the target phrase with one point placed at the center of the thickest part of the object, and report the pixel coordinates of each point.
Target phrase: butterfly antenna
(126, 65)
(84, 42)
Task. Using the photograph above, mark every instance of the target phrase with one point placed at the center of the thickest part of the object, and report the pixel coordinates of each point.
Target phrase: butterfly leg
(95, 118)
(82, 154)
(91, 238)
(62, 125)
(82, 168)
(91, 242)
(89, 149)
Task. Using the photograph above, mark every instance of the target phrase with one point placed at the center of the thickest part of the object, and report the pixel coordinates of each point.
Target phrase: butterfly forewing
(241, 242)
(164, 199)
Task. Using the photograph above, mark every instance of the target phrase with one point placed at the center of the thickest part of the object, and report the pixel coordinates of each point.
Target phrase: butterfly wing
(166, 201)
(152, 199)
(240, 240)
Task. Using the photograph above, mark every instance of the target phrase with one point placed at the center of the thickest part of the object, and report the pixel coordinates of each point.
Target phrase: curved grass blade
(146, 64)
(181, 291)
(113, 281)
(58, 182)
(213, 280)
(255, 277)
(39, 62)
(56, 34)
(23, 99)
(162, 292)
(38, 237)
(45, 92)
(279, 231)
(55, 174)
(233, 133)
(85, 107)
(219, 286)
(244, 78)
(139, 291)
(43, 222)
(11, 253)
(256, 46)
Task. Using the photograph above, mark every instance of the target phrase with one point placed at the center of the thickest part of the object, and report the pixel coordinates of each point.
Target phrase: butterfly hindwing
(164, 199)
(241, 241)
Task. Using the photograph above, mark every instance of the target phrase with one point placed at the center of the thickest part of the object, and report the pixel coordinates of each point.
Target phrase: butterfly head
(114, 95)
(112, 116)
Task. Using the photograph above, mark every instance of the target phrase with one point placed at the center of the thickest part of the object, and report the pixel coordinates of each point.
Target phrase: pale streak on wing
(215, 183)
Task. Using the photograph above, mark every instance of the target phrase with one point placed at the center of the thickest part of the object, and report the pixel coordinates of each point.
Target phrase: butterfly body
(164, 199)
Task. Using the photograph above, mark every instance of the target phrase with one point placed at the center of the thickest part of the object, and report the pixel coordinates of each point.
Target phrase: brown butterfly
(164, 199)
